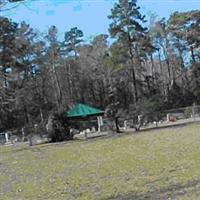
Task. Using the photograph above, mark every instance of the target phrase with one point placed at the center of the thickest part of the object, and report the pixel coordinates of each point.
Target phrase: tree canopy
(144, 70)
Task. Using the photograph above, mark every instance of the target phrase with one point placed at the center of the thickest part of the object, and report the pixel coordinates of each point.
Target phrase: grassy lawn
(160, 164)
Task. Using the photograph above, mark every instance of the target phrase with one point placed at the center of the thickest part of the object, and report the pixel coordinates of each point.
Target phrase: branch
(4, 3)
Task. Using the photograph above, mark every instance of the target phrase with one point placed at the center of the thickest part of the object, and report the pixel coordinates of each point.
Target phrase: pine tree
(127, 28)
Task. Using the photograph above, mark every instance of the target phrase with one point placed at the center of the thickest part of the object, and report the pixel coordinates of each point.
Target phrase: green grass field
(160, 164)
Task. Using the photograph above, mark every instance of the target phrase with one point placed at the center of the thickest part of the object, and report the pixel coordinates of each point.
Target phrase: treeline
(143, 70)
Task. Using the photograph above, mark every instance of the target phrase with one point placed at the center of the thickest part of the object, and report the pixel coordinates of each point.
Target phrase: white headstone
(7, 137)
(125, 124)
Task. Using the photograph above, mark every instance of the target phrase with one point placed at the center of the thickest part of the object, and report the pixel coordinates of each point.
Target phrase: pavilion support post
(99, 124)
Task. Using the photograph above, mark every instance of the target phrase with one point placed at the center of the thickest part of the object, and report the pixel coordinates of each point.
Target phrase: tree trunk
(25, 113)
(133, 70)
(117, 125)
(58, 90)
(192, 54)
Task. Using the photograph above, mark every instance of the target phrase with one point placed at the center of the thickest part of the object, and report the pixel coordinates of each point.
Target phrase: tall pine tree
(127, 28)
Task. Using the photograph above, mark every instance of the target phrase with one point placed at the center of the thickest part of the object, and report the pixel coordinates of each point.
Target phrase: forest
(142, 66)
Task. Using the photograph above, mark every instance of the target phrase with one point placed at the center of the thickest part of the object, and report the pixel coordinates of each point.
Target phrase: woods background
(147, 67)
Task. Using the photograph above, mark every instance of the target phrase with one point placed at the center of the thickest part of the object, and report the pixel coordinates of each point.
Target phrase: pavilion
(82, 111)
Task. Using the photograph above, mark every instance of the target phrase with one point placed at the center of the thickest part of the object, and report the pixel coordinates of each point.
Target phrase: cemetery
(99, 100)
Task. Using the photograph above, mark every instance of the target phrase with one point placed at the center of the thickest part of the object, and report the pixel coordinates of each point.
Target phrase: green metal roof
(82, 110)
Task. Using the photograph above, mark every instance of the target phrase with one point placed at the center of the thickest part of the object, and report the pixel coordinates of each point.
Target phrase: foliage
(126, 27)
(58, 128)
(144, 70)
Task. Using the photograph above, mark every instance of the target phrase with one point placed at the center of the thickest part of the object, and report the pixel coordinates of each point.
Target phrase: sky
(88, 15)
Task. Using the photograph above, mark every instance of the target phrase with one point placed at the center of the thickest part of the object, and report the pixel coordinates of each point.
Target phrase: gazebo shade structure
(82, 110)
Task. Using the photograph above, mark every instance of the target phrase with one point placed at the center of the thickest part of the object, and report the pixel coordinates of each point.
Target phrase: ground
(158, 164)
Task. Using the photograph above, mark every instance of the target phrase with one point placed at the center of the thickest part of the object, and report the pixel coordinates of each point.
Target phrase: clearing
(158, 164)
